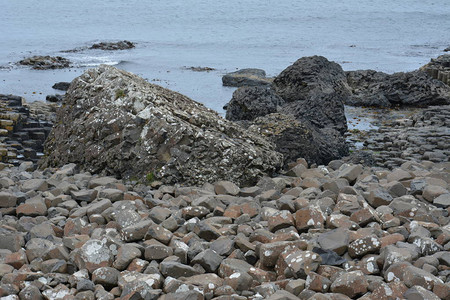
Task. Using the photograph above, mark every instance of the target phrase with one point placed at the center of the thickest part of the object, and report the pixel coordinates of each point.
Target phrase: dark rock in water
(304, 112)
(248, 103)
(122, 45)
(312, 76)
(439, 68)
(114, 122)
(200, 69)
(62, 86)
(246, 77)
(447, 49)
(371, 88)
(54, 98)
(46, 62)
(295, 139)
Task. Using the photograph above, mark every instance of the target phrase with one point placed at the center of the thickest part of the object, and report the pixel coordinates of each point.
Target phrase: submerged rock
(122, 45)
(46, 62)
(246, 77)
(114, 122)
(62, 86)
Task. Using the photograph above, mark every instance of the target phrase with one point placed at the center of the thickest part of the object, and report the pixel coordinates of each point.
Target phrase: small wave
(91, 61)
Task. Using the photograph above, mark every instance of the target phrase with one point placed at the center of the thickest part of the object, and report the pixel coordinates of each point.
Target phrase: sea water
(172, 36)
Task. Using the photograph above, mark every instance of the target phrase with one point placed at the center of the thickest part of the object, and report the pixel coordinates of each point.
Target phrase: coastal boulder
(246, 77)
(248, 103)
(115, 123)
(310, 76)
(417, 88)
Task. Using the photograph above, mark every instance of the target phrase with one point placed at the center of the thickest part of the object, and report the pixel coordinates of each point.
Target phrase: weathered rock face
(246, 77)
(439, 68)
(295, 139)
(46, 62)
(310, 76)
(248, 103)
(116, 123)
(371, 88)
(122, 45)
(320, 110)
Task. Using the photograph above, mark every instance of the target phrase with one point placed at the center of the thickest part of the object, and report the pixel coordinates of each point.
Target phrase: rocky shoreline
(334, 232)
(202, 219)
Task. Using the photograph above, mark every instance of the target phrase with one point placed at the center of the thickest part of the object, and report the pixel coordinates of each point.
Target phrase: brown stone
(351, 284)
(363, 217)
(268, 253)
(307, 218)
(442, 290)
(280, 220)
(390, 291)
(297, 263)
(363, 246)
(33, 207)
(317, 283)
(16, 259)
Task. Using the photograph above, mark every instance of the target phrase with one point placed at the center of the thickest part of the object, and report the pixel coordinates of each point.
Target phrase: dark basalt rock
(122, 45)
(321, 110)
(371, 88)
(114, 122)
(248, 103)
(439, 68)
(295, 139)
(46, 62)
(246, 77)
(303, 114)
(62, 86)
(54, 98)
(311, 76)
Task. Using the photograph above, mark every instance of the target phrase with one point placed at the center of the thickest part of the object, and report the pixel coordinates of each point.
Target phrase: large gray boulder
(417, 88)
(315, 90)
(116, 123)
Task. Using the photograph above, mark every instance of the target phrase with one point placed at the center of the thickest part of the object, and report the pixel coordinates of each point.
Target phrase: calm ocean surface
(225, 35)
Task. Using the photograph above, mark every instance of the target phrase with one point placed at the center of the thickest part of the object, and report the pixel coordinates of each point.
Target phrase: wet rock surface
(310, 235)
(420, 135)
(46, 62)
(114, 122)
(417, 88)
(121, 45)
(246, 77)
